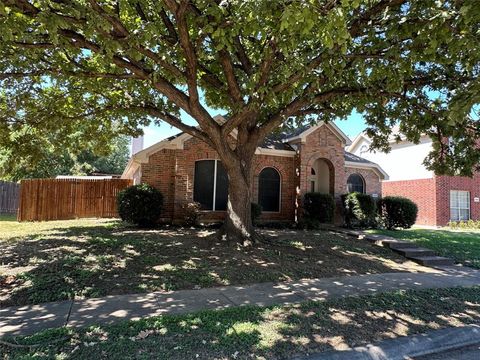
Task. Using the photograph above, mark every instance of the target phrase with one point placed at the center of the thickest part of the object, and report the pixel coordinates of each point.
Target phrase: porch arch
(321, 175)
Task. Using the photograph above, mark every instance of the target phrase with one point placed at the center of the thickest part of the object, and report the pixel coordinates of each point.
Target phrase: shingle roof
(354, 158)
(296, 132)
(274, 143)
(175, 136)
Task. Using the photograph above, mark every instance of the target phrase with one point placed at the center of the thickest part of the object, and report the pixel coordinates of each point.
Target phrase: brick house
(186, 169)
(440, 199)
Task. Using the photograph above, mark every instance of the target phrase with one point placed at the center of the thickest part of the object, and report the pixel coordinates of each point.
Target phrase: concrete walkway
(78, 313)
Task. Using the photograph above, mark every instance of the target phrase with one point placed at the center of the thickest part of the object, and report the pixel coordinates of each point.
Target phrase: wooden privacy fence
(57, 199)
(9, 197)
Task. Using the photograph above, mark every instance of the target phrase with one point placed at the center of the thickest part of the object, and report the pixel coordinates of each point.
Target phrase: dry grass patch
(60, 260)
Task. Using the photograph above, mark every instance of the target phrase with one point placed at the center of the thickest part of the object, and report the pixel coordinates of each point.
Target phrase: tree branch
(86, 74)
(176, 122)
(233, 88)
(242, 56)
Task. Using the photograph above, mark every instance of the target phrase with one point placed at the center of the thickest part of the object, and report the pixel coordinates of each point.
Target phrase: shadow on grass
(272, 333)
(69, 262)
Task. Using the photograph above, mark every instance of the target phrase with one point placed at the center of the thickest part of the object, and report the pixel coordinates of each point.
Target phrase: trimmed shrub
(464, 224)
(359, 210)
(397, 212)
(140, 205)
(191, 212)
(256, 211)
(319, 207)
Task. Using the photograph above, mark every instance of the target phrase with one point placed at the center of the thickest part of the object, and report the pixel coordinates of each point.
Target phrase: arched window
(355, 183)
(269, 189)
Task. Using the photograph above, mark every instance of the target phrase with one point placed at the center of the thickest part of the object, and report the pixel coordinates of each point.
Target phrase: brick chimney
(137, 144)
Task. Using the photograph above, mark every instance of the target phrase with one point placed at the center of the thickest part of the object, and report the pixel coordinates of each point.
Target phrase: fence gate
(59, 199)
(9, 192)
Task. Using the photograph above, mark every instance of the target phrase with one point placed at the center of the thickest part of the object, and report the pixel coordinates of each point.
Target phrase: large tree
(112, 66)
(44, 158)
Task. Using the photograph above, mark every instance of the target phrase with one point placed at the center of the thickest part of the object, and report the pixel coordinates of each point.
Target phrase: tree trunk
(238, 225)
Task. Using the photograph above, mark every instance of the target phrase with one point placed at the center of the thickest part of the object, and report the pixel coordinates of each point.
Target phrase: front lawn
(264, 333)
(49, 261)
(461, 245)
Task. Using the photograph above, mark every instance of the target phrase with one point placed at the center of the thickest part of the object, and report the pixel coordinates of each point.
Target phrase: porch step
(397, 244)
(433, 260)
(412, 252)
(423, 256)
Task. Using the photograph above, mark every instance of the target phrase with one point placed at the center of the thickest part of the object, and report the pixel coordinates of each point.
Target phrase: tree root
(255, 239)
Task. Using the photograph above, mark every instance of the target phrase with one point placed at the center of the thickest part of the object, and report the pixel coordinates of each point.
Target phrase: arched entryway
(322, 177)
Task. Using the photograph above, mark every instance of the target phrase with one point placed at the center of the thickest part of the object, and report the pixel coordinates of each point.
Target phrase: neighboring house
(186, 169)
(440, 199)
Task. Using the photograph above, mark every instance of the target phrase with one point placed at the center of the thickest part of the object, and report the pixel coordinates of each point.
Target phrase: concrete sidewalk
(25, 320)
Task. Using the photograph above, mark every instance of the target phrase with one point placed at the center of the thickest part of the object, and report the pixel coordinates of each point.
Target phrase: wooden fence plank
(61, 199)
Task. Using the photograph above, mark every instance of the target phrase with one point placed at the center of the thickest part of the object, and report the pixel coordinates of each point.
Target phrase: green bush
(256, 211)
(468, 224)
(319, 207)
(397, 212)
(140, 205)
(359, 210)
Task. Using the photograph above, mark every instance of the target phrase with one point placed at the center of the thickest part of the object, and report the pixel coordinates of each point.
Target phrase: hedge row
(142, 205)
(360, 211)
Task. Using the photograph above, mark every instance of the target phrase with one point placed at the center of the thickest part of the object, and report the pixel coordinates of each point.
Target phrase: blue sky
(154, 133)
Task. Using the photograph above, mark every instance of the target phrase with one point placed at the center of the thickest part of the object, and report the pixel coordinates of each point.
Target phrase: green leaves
(415, 64)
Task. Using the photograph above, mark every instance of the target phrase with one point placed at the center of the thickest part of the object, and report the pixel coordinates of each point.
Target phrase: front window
(459, 205)
(355, 183)
(269, 189)
(210, 186)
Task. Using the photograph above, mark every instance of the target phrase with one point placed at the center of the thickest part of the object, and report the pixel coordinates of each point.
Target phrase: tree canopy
(115, 63)
(45, 159)
(109, 67)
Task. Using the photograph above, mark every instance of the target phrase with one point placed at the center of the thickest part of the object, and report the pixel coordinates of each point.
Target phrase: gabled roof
(352, 160)
(363, 136)
(303, 132)
(275, 144)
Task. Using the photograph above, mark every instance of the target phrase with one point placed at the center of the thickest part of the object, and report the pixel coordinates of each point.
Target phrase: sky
(155, 133)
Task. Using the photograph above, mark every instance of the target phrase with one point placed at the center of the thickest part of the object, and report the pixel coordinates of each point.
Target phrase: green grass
(255, 332)
(8, 217)
(49, 261)
(461, 245)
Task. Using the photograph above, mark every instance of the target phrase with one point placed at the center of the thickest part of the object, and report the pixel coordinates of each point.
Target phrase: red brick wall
(421, 191)
(372, 181)
(159, 173)
(323, 144)
(172, 172)
(286, 167)
(447, 183)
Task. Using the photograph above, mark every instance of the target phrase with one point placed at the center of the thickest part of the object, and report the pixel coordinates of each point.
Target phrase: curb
(432, 342)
